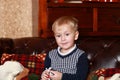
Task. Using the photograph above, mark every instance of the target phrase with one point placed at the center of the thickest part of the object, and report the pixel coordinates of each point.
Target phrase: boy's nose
(63, 38)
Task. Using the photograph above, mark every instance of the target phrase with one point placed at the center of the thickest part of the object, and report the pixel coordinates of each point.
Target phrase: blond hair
(69, 20)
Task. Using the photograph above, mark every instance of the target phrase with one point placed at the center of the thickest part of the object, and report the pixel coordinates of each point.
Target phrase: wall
(17, 18)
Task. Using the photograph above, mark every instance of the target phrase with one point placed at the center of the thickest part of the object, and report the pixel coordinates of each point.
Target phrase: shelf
(95, 18)
(99, 33)
(90, 5)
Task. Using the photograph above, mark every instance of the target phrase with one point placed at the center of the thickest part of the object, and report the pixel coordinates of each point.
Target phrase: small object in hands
(50, 73)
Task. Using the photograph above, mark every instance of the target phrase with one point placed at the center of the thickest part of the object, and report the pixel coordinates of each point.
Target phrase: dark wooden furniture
(95, 18)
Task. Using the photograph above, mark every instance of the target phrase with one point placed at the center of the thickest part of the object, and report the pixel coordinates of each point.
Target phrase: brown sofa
(103, 52)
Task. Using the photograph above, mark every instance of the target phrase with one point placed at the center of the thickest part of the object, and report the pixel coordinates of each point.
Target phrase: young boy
(67, 62)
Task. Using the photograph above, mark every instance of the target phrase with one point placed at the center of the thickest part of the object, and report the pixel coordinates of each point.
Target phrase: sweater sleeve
(47, 62)
(82, 70)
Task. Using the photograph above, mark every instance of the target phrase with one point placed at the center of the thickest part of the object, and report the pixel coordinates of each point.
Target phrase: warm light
(60, 1)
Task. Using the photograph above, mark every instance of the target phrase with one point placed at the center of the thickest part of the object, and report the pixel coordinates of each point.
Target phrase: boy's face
(65, 36)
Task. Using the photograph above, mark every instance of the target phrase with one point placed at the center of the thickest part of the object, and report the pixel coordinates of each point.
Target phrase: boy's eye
(58, 35)
(67, 34)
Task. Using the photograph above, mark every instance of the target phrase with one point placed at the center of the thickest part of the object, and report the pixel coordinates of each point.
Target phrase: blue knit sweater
(74, 65)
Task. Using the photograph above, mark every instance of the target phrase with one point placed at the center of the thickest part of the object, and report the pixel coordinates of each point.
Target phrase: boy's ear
(76, 35)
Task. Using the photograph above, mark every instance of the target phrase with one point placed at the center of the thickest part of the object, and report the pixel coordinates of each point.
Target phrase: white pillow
(10, 69)
(115, 77)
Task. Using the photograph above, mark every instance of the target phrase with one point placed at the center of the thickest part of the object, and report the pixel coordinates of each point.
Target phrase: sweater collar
(64, 54)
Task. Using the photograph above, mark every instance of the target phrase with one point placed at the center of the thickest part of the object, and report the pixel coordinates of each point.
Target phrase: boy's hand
(45, 75)
(57, 75)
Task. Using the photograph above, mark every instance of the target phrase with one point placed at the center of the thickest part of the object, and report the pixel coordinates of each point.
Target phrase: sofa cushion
(103, 73)
(35, 63)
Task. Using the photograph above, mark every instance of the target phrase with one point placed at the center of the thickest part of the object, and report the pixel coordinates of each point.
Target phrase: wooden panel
(42, 18)
(109, 19)
(84, 15)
